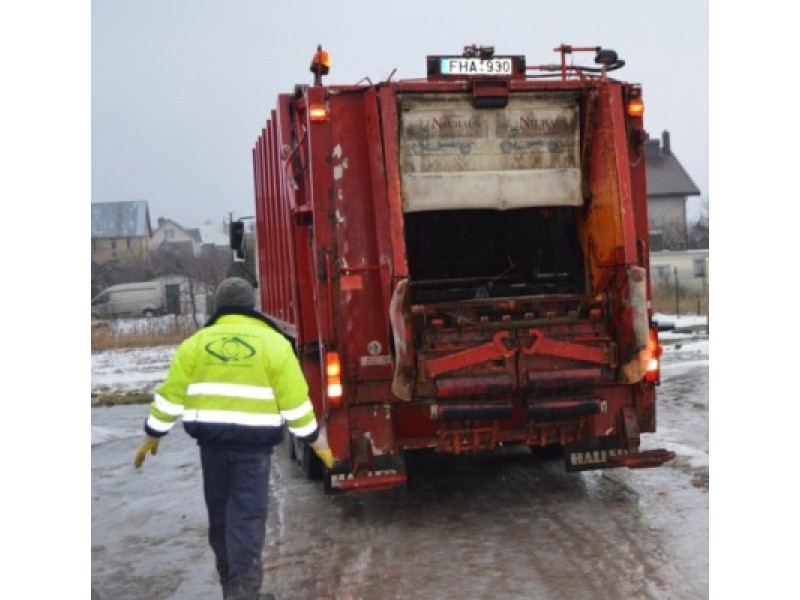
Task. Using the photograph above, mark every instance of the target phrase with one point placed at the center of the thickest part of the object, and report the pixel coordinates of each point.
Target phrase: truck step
(368, 481)
(642, 460)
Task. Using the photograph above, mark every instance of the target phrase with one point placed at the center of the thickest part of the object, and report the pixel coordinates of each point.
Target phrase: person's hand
(321, 448)
(150, 444)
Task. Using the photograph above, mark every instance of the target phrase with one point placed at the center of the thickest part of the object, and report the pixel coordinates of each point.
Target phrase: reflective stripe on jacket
(234, 382)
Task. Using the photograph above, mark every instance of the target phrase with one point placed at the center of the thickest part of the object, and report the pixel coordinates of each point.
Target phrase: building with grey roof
(121, 231)
(668, 188)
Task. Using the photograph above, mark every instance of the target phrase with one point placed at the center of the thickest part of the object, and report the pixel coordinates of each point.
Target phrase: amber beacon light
(320, 65)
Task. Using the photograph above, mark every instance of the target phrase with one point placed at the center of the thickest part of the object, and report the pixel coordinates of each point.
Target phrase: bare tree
(125, 271)
(699, 231)
(215, 261)
(203, 272)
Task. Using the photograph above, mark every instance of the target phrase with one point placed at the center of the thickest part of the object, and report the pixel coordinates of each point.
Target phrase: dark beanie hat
(235, 292)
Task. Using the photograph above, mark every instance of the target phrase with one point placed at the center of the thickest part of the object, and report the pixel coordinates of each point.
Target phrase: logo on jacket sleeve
(230, 349)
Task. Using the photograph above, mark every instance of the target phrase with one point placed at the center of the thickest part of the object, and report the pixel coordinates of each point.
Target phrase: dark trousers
(235, 487)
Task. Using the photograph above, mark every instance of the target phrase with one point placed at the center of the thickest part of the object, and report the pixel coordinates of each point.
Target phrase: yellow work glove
(321, 448)
(150, 444)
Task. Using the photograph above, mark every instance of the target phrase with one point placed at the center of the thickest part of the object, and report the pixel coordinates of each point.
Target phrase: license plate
(475, 66)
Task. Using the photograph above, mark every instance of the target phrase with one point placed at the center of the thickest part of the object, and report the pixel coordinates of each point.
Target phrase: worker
(234, 383)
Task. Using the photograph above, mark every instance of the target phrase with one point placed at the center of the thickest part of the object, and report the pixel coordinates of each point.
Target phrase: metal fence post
(677, 296)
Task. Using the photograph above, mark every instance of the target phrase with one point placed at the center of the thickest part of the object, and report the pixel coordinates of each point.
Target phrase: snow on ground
(680, 322)
(130, 369)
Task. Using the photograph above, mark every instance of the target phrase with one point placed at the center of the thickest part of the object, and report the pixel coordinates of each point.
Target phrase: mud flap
(607, 453)
(585, 457)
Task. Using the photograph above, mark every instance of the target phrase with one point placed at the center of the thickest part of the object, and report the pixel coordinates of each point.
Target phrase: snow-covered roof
(127, 218)
(214, 233)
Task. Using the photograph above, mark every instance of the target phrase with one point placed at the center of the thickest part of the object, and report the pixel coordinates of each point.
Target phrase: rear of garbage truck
(462, 261)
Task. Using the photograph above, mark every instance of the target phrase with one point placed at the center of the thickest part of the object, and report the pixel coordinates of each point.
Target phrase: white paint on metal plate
(376, 361)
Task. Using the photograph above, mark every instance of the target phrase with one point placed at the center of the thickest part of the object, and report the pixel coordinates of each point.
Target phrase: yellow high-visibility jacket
(234, 383)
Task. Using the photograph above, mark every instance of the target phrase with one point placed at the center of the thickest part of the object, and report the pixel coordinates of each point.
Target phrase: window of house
(699, 268)
(169, 234)
(661, 272)
(128, 241)
(113, 244)
(656, 240)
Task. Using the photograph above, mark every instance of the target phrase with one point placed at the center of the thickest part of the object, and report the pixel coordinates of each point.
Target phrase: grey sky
(181, 88)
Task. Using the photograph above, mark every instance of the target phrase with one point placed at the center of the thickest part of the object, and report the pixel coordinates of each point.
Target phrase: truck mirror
(237, 236)
(237, 240)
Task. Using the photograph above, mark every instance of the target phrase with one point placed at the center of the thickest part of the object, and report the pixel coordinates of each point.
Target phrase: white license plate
(475, 66)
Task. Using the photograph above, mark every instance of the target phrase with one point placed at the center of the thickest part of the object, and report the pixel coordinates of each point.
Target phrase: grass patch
(687, 302)
(142, 333)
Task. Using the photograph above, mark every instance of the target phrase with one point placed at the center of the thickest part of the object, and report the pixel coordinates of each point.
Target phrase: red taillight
(333, 379)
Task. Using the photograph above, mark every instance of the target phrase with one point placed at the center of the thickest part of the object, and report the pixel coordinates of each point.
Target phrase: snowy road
(501, 526)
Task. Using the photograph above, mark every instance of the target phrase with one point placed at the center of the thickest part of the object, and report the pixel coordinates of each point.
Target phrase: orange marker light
(320, 65)
(635, 107)
(318, 113)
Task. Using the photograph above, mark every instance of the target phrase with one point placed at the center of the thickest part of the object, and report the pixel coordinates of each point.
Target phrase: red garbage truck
(461, 261)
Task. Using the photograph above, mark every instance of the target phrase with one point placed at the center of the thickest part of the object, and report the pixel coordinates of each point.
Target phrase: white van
(141, 299)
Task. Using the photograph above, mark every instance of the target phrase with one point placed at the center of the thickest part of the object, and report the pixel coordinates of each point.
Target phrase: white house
(170, 235)
(690, 267)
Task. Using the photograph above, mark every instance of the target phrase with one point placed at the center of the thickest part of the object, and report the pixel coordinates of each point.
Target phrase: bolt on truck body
(462, 262)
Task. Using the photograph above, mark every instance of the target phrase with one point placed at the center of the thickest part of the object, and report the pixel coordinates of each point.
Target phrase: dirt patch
(700, 479)
(120, 398)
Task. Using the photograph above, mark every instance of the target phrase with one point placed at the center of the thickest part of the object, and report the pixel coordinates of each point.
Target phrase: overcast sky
(181, 88)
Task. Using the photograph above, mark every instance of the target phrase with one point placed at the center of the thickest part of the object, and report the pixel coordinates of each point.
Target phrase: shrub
(142, 333)
(689, 302)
